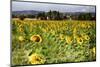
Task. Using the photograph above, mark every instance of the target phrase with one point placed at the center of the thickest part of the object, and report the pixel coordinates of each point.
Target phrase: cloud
(19, 6)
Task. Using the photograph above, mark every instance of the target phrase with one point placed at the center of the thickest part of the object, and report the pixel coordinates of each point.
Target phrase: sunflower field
(51, 41)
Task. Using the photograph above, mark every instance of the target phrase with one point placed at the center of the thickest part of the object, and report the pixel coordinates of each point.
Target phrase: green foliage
(21, 17)
(54, 46)
(85, 16)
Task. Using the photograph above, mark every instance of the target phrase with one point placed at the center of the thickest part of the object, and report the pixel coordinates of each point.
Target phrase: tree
(54, 15)
(49, 15)
(41, 16)
(85, 16)
(22, 17)
(30, 16)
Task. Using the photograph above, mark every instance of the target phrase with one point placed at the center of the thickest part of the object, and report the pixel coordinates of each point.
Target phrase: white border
(5, 33)
(86, 2)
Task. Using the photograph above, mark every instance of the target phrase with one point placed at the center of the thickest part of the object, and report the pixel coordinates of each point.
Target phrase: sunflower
(69, 39)
(36, 59)
(20, 26)
(83, 25)
(86, 37)
(89, 26)
(21, 38)
(61, 36)
(52, 32)
(44, 30)
(74, 30)
(80, 40)
(36, 38)
(94, 50)
(21, 30)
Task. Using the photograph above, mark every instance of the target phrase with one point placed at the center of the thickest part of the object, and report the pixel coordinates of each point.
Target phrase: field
(51, 41)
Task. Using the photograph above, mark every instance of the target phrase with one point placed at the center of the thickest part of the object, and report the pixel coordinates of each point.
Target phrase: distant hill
(34, 12)
(78, 13)
(26, 12)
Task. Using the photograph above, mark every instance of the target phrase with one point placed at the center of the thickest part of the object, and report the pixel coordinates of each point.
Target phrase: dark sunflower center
(80, 40)
(37, 59)
(37, 39)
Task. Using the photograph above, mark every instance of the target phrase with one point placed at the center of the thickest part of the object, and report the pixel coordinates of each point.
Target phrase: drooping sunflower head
(44, 30)
(61, 36)
(21, 38)
(52, 32)
(21, 26)
(21, 30)
(36, 38)
(36, 59)
(69, 39)
(83, 25)
(86, 37)
(80, 40)
(94, 50)
(74, 30)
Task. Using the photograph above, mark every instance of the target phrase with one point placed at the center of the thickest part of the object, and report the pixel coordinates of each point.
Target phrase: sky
(20, 6)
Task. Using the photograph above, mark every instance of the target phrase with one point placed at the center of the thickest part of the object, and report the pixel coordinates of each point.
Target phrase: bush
(22, 17)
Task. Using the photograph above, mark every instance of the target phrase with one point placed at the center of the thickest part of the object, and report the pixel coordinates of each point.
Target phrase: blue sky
(20, 6)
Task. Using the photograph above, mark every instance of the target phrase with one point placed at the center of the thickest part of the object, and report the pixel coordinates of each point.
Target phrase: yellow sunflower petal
(36, 59)
(36, 38)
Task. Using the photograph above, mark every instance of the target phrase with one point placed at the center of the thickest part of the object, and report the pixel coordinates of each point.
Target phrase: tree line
(56, 15)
